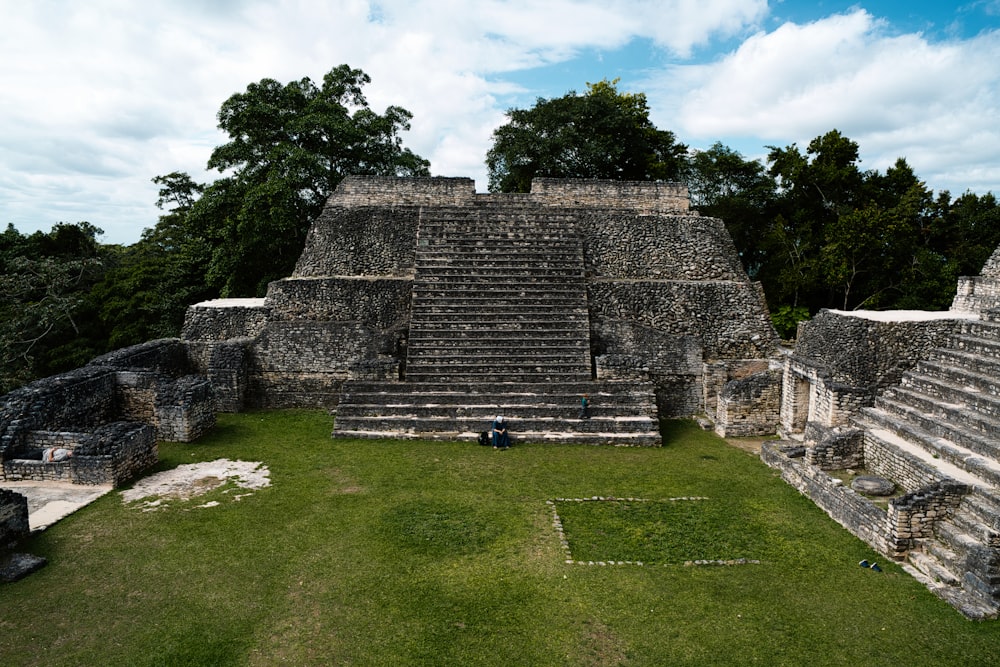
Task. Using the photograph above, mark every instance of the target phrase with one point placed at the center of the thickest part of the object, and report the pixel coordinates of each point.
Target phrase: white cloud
(98, 97)
(896, 95)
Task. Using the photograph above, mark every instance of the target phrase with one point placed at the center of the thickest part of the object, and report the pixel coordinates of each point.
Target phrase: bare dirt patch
(191, 480)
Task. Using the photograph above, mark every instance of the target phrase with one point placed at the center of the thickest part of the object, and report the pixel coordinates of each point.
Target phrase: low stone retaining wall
(844, 505)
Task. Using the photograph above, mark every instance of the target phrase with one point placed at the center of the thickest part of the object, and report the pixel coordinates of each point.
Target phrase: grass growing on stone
(420, 553)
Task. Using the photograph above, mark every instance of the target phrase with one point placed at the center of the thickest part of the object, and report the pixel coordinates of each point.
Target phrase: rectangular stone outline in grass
(570, 560)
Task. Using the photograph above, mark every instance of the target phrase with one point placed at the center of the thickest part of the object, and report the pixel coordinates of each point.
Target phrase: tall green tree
(725, 185)
(46, 324)
(602, 134)
(289, 146)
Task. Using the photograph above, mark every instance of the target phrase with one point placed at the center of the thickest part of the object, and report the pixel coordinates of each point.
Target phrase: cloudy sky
(98, 97)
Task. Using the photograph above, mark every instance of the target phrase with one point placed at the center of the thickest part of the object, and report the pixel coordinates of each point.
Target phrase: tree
(602, 134)
(738, 191)
(148, 286)
(289, 146)
(46, 325)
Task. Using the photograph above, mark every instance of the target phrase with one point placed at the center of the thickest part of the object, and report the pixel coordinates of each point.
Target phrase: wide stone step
(451, 356)
(511, 375)
(492, 307)
(559, 427)
(951, 393)
(978, 346)
(576, 323)
(481, 336)
(972, 360)
(498, 282)
(953, 422)
(543, 409)
(552, 247)
(507, 294)
(960, 376)
(482, 304)
(983, 328)
(600, 391)
(937, 562)
(948, 458)
(489, 270)
(979, 512)
(636, 439)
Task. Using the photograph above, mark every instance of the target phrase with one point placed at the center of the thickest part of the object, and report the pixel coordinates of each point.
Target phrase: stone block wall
(360, 191)
(109, 454)
(84, 397)
(842, 359)
(13, 519)
(749, 406)
(836, 449)
(913, 516)
(728, 319)
(225, 319)
(863, 349)
(661, 247)
(226, 365)
(646, 197)
(184, 409)
(364, 241)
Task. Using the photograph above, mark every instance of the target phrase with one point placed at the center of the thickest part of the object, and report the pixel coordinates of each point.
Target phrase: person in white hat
(501, 438)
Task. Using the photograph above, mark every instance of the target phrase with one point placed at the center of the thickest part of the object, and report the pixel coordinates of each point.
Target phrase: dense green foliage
(47, 321)
(602, 134)
(436, 553)
(819, 232)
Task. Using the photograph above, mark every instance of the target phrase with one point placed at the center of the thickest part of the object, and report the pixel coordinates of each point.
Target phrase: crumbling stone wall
(914, 515)
(110, 413)
(980, 294)
(363, 241)
(155, 384)
(110, 454)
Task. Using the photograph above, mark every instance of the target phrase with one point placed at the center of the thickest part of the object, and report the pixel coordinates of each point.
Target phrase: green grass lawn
(420, 553)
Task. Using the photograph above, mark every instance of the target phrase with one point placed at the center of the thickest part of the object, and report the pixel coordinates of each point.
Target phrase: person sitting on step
(501, 438)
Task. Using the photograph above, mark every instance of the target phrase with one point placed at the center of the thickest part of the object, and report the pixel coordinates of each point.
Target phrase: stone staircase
(945, 417)
(499, 325)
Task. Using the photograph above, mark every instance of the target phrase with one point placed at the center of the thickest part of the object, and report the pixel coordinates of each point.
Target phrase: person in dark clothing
(584, 407)
(501, 438)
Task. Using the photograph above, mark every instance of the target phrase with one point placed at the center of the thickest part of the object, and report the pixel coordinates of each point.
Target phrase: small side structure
(912, 399)
(110, 414)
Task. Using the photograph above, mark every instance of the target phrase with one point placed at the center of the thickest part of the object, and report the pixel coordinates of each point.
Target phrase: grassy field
(418, 553)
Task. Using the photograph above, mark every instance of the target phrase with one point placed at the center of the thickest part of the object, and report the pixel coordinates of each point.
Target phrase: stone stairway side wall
(627, 246)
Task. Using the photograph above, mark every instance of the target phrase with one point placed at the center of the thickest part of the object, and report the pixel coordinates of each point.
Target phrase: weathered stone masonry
(666, 293)
(110, 413)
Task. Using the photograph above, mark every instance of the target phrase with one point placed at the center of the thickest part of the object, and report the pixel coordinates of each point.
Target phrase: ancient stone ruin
(913, 399)
(110, 414)
(420, 308)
